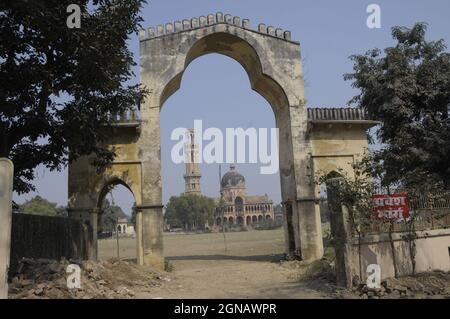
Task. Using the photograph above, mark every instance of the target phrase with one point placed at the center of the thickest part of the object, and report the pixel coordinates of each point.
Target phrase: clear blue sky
(216, 89)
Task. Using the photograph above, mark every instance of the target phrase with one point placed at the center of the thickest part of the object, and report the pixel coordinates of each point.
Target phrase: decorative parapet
(211, 19)
(337, 114)
(331, 116)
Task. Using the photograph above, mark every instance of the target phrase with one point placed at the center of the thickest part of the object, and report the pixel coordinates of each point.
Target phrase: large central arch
(310, 140)
(273, 64)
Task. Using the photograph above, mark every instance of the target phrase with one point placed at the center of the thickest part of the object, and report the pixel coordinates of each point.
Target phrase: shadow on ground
(262, 258)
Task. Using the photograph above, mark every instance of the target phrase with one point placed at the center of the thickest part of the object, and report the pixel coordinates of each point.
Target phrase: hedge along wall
(34, 236)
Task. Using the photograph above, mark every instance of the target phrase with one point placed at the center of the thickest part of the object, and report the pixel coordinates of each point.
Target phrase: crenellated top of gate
(209, 20)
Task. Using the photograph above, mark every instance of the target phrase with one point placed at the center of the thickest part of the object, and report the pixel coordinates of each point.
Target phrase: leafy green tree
(278, 208)
(190, 211)
(109, 216)
(58, 85)
(407, 87)
(40, 206)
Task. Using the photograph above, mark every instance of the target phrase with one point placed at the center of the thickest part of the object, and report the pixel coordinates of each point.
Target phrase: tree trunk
(394, 255)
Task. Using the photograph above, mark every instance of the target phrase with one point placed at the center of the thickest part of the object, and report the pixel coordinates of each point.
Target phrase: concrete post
(6, 188)
(150, 232)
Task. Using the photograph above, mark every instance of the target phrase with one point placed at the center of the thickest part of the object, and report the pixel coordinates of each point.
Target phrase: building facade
(238, 208)
(124, 227)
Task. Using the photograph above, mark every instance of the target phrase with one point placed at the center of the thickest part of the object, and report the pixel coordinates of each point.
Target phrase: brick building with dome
(237, 207)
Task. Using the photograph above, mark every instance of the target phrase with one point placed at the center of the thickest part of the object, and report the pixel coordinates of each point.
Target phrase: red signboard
(391, 207)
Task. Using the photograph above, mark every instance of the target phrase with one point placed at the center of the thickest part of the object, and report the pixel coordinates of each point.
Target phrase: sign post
(6, 189)
(393, 207)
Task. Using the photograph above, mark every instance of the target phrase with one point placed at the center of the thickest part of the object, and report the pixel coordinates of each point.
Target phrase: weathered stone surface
(6, 187)
(287, 35)
(227, 18)
(169, 28)
(202, 21)
(178, 26)
(279, 33)
(262, 28)
(186, 24)
(211, 19)
(151, 32)
(275, 70)
(194, 23)
(159, 30)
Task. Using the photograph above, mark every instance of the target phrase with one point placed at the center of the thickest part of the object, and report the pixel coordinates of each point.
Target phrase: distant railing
(337, 114)
(132, 116)
(430, 213)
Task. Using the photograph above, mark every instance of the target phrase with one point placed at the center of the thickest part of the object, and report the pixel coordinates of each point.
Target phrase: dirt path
(248, 268)
(230, 277)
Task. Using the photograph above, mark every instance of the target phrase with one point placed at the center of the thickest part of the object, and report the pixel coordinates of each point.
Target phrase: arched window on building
(239, 203)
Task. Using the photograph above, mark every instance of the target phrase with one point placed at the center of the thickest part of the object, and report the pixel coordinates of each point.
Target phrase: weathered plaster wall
(337, 146)
(432, 253)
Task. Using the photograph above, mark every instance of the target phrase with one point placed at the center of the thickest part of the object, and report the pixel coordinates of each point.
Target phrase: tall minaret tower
(192, 175)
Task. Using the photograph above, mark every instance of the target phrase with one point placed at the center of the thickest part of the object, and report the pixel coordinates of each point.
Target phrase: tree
(40, 206)
(59, 86)
(109, 216)
(190, 211)
(408, 89)
(355, 193)
(278, 208)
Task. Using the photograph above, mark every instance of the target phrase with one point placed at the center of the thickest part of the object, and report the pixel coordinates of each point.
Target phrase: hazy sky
(216, 88)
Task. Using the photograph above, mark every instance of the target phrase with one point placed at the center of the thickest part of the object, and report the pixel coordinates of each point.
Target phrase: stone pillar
(93, 221)
(6, 188)
(139, 245)
(150, 224)
(341, 233)
(89, 217)
(310, 229)
(306, 208)
(289, 232)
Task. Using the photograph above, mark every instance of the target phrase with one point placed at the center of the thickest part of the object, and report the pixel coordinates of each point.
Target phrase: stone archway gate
(309, 139)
